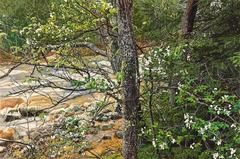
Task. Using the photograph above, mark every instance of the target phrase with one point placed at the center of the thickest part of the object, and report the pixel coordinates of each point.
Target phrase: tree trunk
(189, 17)
(128, 50)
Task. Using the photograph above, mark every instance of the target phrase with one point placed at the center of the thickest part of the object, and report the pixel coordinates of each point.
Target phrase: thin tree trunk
(189, 17)
(128, 50)
(151, 90)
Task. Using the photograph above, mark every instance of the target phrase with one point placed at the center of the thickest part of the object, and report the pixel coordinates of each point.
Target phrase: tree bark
(128, 50)
(189, 17)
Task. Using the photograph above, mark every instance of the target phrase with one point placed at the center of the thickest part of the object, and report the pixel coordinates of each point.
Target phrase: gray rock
(2, 149)
(3, 143)
(102, 118)
(114, 115)
(106, 111)
(29, 112)
(106, 127)
(119, 134)
(10, 117)
(9, 114)
(77, 108)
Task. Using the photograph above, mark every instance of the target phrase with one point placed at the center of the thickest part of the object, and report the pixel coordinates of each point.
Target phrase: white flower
(233, 126)
(154, 143)
(21, 32)
(214, 138)
(192, 146)
(202, 131)
(208, 126)
(219, 142)
(229, 107)
(225, 98)
(162, 145)
(216, 4)
(179, 86)
(173, 141)
(227, 112)
(215, 156)
(232, 151)
(188, 120)
(221, 157)
(28, 41)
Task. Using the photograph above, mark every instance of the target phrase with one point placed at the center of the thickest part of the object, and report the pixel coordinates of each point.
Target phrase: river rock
(2, 149)
(7, 134)
(119, 134)
(9, 114)
(30, 111)
(114, 115)
(106, 127)
(10, 102)
(106, 137)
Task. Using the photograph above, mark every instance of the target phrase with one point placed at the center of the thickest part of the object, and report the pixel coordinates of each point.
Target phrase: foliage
(204, 121)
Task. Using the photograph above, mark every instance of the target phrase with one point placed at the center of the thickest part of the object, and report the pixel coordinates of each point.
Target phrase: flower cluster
(188, 120)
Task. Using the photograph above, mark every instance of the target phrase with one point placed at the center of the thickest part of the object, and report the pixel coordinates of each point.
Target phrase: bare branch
(10, 70)
(88, 45)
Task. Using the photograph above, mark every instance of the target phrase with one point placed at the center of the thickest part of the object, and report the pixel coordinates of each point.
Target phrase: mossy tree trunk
(128, 50)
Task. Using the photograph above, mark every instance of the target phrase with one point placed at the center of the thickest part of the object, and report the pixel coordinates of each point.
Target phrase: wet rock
(92, 131)
(11, 117)
(57, 111)
(3, 143)
(105, 111)
(30, 111)
(10, 102)
(114, 115)
(108, 116)
(102, 118)
(76, 108)
(119, 134)
(118, 108)
(9, 114)
(40, 101)
(106, 137)
(24, 126)
(106, 127)
(2, 149)
(7, 134)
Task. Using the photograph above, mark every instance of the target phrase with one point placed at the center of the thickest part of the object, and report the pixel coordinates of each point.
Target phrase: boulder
(2, 149)
(11, 117)
(106, 127)
(114, 115)
(119, 134)
(10, 102)
(7, 134)
(31, 111)
(39, 101)
(9, 114)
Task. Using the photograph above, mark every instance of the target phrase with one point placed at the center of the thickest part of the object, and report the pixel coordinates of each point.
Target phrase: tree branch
(88, 45)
